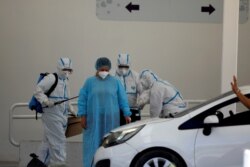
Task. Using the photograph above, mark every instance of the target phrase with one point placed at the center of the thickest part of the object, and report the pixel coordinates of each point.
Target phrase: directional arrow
(131, 7)
(210, 9)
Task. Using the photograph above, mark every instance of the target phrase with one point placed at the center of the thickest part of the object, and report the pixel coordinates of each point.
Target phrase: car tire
(159, 158)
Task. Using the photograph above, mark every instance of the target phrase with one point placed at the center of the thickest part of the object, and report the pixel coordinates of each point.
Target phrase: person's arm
(143, 99)
(139, 89)
(156, 101)
(82, 105)
(245, 100)
(123, 102)
(42, 87)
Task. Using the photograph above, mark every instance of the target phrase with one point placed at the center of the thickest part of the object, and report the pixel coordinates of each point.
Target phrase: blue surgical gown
(100, 100)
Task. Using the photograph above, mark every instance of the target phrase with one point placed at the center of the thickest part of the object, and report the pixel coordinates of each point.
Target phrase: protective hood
(147, 78)
(64, 63)
(123, 60)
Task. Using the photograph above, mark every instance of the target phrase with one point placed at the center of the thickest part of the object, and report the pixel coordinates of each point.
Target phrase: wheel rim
(159, 162)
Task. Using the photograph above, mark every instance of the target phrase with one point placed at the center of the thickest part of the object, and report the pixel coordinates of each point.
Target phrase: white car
(207, 135)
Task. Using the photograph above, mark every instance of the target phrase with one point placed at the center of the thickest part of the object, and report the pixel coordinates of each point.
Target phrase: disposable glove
(140, 103)
(143, 99)
(49, 103)
(72, 111)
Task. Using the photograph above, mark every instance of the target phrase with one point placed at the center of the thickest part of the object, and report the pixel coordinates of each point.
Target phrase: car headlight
(119, 137)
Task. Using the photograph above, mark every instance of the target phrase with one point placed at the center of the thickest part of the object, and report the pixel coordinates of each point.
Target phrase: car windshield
(202, 104)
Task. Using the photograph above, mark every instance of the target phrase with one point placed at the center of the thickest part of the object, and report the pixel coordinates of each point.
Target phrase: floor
(8, 164)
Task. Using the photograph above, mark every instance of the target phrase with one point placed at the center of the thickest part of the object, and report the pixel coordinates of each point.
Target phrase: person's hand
(143, 99)
(128, 120)
(140, 102)
(49, 103)
(84, 122)
(72, 111)
(234, 85)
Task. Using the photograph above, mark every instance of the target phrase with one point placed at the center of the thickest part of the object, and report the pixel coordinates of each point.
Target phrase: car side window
(242, 118)
(226, 117)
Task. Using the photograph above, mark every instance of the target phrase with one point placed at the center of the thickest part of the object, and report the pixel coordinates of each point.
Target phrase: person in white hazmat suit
(164, 99)
(130, 81)
(52, 151)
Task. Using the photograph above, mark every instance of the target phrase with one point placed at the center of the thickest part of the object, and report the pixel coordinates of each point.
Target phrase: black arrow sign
(131, 7)
(210, 9)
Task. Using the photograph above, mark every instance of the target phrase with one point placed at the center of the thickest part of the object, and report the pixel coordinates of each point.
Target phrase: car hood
(143, 122)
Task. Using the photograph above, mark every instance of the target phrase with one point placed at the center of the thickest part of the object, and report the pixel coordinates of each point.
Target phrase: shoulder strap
(53, 86)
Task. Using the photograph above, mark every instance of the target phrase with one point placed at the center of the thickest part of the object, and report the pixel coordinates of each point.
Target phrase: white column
(230, 43)
(246, 158)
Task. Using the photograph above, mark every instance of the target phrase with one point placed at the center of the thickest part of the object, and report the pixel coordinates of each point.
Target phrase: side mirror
(208, 122)
(211, 119)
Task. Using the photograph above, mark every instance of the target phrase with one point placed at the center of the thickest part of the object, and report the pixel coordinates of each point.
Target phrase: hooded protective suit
(129, 79)
(52, 151)
(164, 98)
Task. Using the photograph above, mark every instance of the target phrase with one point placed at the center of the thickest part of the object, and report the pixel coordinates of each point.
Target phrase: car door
(225, 145)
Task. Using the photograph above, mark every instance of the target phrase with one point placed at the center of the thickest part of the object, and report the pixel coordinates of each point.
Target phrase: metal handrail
(33, 116)
(12, 117)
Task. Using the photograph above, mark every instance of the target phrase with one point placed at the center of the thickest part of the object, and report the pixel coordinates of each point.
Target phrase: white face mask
(66, 73)
(123, 71)
(103, 74)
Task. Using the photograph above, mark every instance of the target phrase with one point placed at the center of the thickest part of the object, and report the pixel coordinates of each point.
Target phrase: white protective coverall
(52, 150)
(129, 79)
(164, 98)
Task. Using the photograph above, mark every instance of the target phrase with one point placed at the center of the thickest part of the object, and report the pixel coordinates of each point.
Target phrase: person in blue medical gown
(99, 103)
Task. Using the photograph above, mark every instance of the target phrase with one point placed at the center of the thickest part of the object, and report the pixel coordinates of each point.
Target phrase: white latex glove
(140, 102)
(72, 110)
(74, 113)
(49, 103)
(143, 99)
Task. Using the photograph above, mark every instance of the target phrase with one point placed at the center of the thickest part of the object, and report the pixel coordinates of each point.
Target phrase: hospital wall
(35, 33)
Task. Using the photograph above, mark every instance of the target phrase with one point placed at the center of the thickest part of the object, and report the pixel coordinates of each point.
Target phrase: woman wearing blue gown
(99, 103)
